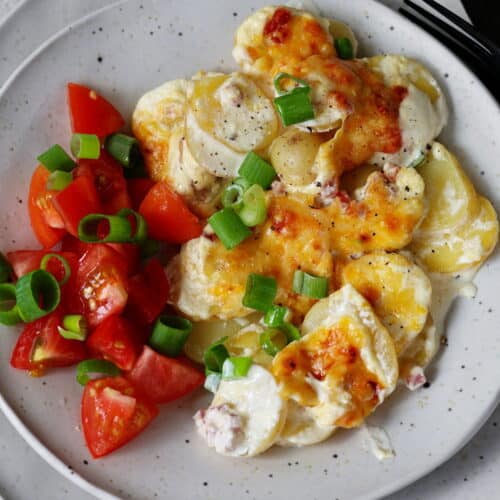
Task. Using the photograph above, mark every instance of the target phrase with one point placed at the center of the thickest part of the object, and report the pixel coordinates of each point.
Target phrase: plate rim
(57, 463)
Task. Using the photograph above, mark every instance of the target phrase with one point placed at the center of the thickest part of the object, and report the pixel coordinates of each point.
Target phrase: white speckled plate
(141, 44)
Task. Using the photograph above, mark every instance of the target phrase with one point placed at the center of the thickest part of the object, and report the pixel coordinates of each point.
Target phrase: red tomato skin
(168, 217)
(76, 201)
(100, 289)
(164, 379)
(147, 293)
(111, 186)
(90, 113)
(116, 340)
(138, 189)
(41, 339)
(108, 423)
(130, 253)
(39, 196)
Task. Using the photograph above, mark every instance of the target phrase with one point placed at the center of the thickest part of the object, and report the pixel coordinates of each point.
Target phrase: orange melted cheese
(291, 238)
(331, 355)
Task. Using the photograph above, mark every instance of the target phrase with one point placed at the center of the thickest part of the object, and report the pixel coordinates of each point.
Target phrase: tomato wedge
(116, 340)
(90, 113)
(147, 293)
(164, 379)
(100, 289)
(76, 201)
(40, 346)
(46, 222)
(138, 189)
(107, 176)
(113, 412)
(168, 217)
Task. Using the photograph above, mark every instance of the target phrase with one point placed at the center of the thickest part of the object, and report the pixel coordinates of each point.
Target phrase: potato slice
(463, 249)
(451, 197)
(398, 290)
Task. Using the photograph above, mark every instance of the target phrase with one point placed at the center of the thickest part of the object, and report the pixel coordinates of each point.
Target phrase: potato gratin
(363, 199)
(292, 228)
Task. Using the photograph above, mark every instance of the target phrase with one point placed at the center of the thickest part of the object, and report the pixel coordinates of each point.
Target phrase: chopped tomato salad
(93, 295)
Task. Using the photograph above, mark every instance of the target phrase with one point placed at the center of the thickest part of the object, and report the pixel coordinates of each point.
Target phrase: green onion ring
(260, 292)
(141, 226)
(170, 334)
(123, 148)
(94, 366)
(55, 158)
(254, 209)
(236, 367)
(120, 229)
(288, 76)
(232, 196)
(33, 288)
(256, 170)
(9, 313)
(215, 355)
(86, 146)
(67, 268)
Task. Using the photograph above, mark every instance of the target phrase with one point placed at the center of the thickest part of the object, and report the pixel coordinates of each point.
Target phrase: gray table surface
(471, 475)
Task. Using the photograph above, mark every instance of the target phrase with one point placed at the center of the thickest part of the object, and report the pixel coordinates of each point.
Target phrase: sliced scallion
(295, 107)
(229, 227)
(344, 49)
(9, 313)
(254, 209)
(64, 263)
(270, 341)
(275, 316)
(5, 268)
(236, 367)
(232, 196)
(287, 76)
(141, 227)
(94, 366)
(74, 327)
(37, 294)
(309, 285)
(212, 381)
(58, 180)
(256, 170)
(244, 183)
(118, 229)
(170, 334)
(55, 158)
(215, 355)
(123, 148)
(260, 292)
(85, 146)
(291, 331)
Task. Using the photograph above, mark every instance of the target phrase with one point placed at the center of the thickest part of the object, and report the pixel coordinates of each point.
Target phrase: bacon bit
(277, 29)
(400, 93)
(281, 220)
(415, 378)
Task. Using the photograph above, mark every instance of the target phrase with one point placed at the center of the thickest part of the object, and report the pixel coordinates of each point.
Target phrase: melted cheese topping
(344, 368)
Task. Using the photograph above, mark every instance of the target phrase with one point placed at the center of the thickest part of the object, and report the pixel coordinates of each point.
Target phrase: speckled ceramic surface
(131, 48)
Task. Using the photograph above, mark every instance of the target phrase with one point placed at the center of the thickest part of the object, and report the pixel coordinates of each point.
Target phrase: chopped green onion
(236, 367)
(344, 49)
(291, 331)
(94, 366)
(254, 209)
(260, 292)
(244, 183)
(169, 335)
(9, 313)
(275, 316)
(229, 227)
(55, 158)
(5, 268)
(123, 148)
(141, 226)
(418, 161)
(288, 76)
(268, 343)
(232, 196)
(67, 268)
(74, 327)
(86, 146)
(58, 180)
(295, 107)
(149, 248)
(37, 294)
(315, 287)
(215, 355)
(212, 381)
(256, 170)
(119, 229)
